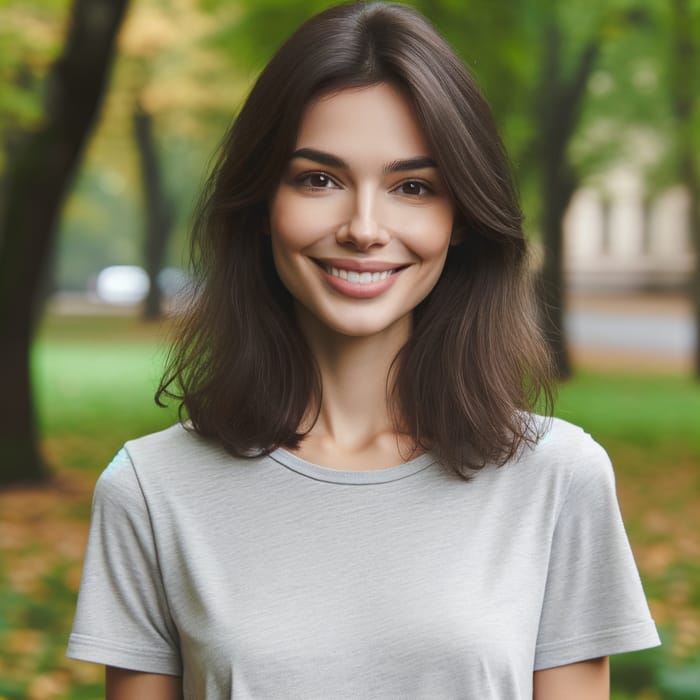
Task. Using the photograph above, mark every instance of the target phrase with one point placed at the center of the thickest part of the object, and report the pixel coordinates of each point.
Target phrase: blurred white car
(122, 284)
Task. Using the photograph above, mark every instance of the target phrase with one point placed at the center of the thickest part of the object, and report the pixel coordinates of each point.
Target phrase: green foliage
(103, 222)
(681, 683)
(193, 69)
(637, 672)
(101, 226)
(29, 40)
(627, 96)
(640, 673)
(262, 27)
(20, 108)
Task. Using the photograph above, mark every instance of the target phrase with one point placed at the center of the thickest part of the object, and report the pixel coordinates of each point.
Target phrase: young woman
(362, 503)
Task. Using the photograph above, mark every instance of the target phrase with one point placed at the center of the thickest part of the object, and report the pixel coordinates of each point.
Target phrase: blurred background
(110, 112)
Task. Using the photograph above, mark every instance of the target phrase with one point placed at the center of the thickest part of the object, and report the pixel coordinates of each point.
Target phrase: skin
(588, 680)
(361, 188)
(122, 684)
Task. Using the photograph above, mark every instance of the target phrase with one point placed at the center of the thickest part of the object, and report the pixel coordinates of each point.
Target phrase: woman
(363, 505)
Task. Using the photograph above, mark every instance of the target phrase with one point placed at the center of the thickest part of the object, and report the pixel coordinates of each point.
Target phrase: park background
(599, 105)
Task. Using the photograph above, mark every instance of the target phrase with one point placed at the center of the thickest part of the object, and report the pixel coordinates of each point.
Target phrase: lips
(359, 266)
(362, 279)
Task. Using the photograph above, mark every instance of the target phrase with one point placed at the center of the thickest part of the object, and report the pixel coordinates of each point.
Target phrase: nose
(363, 228)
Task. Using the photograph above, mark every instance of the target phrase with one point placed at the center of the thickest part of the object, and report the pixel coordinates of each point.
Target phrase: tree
(159, 213)
(177, 72)
(559, 103)
(685, 106)
(37, 179)
(652, 105)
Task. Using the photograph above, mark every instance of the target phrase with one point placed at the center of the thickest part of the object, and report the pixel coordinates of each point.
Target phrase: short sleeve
(594, 604)
(122, 617)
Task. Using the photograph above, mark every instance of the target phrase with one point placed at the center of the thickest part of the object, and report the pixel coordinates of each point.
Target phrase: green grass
(649, 411)
(95, 379)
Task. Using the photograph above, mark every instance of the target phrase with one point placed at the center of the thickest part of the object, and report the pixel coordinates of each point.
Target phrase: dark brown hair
(475, 363)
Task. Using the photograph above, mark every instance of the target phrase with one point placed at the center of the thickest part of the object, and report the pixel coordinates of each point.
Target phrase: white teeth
(358, 277)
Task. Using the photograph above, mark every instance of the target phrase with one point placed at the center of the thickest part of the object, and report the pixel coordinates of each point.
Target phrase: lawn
(95, 379)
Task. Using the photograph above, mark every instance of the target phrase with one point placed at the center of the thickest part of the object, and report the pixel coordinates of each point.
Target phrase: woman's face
(361, 221)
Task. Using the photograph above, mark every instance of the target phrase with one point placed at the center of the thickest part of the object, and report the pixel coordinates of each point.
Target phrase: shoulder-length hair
(475, 364)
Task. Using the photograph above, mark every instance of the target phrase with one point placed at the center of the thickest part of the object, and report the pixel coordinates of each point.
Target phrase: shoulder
(159, 461)
(173, 450)
(569, 456)
(175, 440)
(565, 443)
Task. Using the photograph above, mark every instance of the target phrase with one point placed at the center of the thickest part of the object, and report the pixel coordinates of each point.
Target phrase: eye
(413, 188)
(317, 181)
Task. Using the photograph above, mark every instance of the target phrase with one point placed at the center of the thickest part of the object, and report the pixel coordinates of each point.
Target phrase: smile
(355, 277)
(363, 279)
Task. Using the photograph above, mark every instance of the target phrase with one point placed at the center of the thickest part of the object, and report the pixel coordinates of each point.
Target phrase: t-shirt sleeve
(122, 618)
(594, 604)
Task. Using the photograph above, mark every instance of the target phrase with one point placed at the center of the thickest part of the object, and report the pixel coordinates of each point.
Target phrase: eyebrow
(331, 161)
(398, 166)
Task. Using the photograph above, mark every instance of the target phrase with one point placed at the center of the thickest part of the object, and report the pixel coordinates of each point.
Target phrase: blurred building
(616, 238)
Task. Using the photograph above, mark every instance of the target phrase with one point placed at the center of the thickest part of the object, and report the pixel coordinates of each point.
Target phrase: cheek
(429, 235)
(288, 223)
(297, 222)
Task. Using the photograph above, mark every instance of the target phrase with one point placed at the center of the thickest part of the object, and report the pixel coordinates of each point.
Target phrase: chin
(362, 328)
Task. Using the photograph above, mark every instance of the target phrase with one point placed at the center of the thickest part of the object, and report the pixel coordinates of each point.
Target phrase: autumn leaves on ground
(95, 379)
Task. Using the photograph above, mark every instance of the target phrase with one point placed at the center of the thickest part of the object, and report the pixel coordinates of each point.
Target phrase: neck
(355, 412)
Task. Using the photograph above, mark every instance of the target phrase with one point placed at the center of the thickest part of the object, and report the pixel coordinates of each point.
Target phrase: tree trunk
(159, 217)
(560, 100)
(37, 181)
(559, 184)
(685, 62)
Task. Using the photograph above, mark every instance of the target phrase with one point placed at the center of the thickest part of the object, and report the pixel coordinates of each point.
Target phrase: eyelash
(425, 187)
(303, 181)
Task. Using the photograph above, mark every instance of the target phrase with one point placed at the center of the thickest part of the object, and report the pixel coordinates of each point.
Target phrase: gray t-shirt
(276, 578)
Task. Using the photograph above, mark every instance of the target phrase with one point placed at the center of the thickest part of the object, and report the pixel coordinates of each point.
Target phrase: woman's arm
(122, 684)
(588, 680)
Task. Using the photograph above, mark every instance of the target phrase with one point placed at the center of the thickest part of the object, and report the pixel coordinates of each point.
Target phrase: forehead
(374, 119)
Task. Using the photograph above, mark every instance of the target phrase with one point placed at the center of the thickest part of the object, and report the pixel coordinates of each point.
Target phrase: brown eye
(412, 188)
(317, 181)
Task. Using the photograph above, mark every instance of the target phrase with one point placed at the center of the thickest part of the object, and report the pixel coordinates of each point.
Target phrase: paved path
(631, 331)
(671, 336)
(646, 329)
